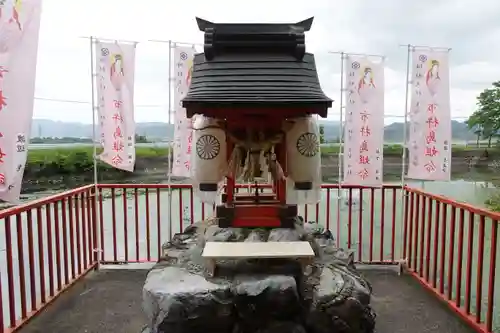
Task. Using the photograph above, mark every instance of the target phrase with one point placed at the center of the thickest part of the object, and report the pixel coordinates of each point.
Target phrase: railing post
(2, 321)
(404, 222)
(95, 226)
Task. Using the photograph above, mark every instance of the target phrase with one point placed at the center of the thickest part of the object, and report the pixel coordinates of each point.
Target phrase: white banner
(183, 133)
(19, 29)
(430, 117)
(115, 93)
(364, 124)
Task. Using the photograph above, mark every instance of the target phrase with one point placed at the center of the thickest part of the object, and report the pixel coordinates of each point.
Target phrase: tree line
(485, 120)
(68, 140)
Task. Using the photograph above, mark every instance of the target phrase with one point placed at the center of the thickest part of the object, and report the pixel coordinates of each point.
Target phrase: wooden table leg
(210, 264)
(304, 262)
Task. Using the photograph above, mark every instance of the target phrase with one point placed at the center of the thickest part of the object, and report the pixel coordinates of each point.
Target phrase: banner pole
(403, 162)
(340, 154)
(169, 81)
(93, 76)
(170, 142)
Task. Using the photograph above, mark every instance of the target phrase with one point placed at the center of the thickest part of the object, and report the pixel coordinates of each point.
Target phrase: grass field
(54, 154)
(86, 152)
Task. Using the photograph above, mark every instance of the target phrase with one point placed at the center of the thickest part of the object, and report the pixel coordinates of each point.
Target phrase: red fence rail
(49, 244)
(133, 219)
(451, 248)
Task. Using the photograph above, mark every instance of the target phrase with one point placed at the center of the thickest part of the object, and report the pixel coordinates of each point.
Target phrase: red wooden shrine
(252, 78)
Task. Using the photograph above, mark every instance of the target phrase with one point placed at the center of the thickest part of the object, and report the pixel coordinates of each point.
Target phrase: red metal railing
(51, 243)
(133, 219)
(48, 245)
(451, 248)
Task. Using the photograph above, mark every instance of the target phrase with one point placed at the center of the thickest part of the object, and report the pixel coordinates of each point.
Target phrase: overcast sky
(470, 27)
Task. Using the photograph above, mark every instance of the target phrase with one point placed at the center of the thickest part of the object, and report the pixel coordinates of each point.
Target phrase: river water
(471, 192)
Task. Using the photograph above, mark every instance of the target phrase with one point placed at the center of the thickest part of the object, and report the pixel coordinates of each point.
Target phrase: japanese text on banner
(430, 117)
(183, 133)
(115, 93)
(364, 124)
(18, 56)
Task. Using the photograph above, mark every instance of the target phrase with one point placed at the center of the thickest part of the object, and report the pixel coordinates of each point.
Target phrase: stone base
(256, 295)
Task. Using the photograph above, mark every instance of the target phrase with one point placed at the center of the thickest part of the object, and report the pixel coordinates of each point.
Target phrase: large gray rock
(258, 295)
(215, 234)
(285, 235)
(266, 297)
(313, 227)
(178, 301)
(340, 302)
(282, 327)
(257, 235)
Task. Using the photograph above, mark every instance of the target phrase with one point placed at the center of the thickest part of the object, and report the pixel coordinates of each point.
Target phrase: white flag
(183, 133)
(19, 28)
(430, 117)
(364, 124)
(115, 93)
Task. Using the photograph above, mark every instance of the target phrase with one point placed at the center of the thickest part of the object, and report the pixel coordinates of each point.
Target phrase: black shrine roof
(255, 66)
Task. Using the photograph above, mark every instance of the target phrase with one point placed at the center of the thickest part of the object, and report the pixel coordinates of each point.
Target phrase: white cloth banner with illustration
(364, 122)
(115, 94)
(183, 132)
(429, 142)
(19, 30)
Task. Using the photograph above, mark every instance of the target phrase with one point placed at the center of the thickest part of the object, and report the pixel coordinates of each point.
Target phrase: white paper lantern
(303, 162)
(208, 160)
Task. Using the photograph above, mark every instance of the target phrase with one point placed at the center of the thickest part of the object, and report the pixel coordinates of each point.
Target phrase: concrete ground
(109, 301)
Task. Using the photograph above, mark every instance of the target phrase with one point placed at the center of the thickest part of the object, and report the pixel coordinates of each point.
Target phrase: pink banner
(183, 133)
(19, 29)
(430, 117)
(364, 123)
(115, 93)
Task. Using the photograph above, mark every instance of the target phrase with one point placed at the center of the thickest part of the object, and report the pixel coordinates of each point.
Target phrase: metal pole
(438, 48)
(170, 42)
(403, 162)
(341, 134)
(110, 40)
(95, 107)
(169, 81)
(407, 93)
(171, 146)
(357, 54)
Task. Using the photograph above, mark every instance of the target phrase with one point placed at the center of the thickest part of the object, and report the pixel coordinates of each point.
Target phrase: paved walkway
(402, 305)
(109, 301)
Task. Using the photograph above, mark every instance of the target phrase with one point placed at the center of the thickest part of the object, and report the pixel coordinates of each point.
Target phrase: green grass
(397, 149)
(76, 160)
(55, 154)
(82, 154)
(79, 160)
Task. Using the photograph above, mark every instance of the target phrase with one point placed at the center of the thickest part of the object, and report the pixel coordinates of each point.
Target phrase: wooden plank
(253, 201)
(252, 195)
(257, 250)
(247, 194)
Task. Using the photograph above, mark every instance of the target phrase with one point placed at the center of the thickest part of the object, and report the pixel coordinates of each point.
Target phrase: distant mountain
(459, 131)
(394, 131)
(164, 132)
(49, 128)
